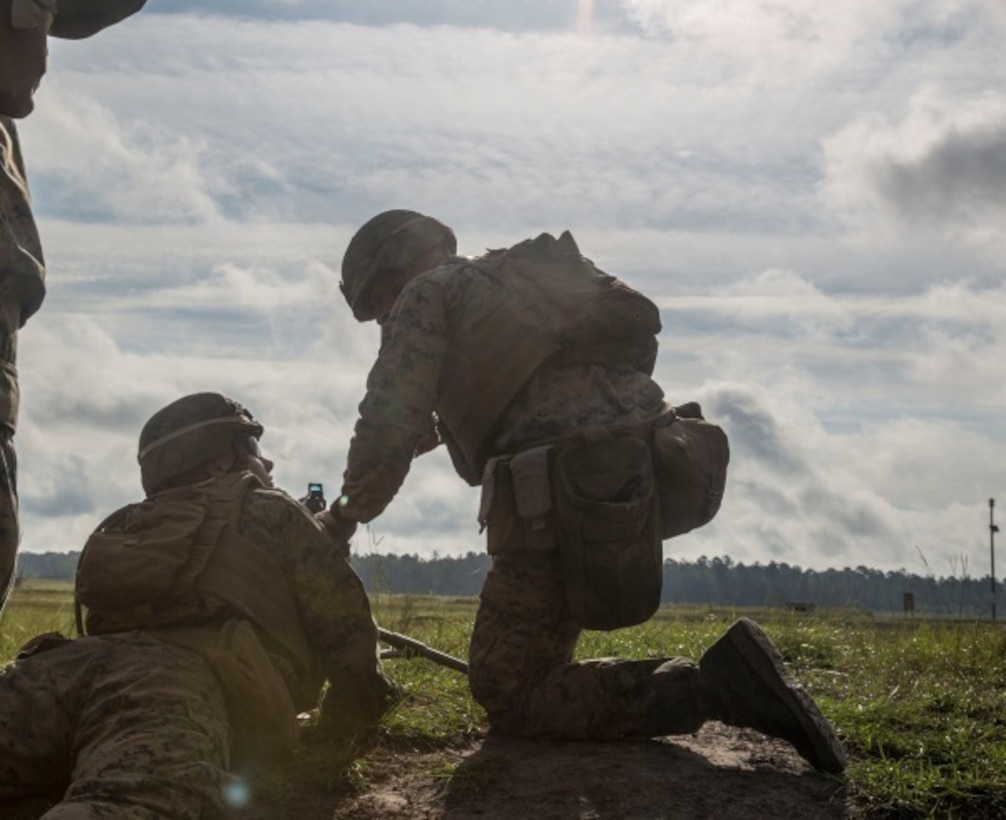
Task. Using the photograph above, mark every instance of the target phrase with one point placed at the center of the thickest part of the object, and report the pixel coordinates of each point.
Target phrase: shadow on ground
(720, 773)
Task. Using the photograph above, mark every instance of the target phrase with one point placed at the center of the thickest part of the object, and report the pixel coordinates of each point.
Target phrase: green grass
(919, 704)
(439, 709)
(35, 607)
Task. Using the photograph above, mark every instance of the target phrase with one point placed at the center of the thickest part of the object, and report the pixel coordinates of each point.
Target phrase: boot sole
(822, 748)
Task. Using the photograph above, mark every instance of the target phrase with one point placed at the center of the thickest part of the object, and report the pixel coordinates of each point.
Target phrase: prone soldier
(214, 611)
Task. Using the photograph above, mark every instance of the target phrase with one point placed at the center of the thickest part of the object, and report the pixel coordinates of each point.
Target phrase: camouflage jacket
(177, 560)
(421, 340)
(22, 271)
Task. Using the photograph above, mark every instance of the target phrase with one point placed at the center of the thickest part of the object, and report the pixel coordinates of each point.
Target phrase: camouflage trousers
(123, 726)
(10, 530)
(521, 667)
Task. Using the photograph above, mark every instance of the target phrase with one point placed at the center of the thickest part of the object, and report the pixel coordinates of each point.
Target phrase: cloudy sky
(814, 194)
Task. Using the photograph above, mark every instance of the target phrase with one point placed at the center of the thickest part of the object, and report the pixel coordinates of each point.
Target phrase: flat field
(919, 704)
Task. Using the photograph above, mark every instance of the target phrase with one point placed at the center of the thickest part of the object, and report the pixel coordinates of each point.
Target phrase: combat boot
(743, 683)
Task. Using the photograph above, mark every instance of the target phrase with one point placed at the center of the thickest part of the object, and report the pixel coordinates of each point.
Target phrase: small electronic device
(315, 500)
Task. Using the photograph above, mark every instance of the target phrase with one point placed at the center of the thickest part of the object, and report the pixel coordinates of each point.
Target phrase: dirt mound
(721, 772)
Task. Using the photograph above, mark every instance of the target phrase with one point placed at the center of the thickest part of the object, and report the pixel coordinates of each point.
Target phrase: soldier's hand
(352, 708)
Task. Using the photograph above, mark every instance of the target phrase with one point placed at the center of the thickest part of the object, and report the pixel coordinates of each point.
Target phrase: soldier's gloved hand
(689, 410)
(351, 710)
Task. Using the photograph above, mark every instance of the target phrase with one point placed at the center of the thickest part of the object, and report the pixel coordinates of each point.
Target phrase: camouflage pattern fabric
(135, 726)
(403, 389)
(22, 269)
(522, 672)
(22, 289)
(10, 532)
(330, 598)
(124, 726)
(521, 649)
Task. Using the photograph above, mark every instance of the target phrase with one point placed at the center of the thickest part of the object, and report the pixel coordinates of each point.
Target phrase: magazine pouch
(609, 542)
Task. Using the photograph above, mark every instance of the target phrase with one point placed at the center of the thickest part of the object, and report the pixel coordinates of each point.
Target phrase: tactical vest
(178, 559)
(554, 304)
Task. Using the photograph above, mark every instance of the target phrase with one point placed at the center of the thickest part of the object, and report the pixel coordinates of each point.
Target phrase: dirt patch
(721, 772)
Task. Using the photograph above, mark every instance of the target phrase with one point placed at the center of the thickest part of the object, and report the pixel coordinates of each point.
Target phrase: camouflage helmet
(188, 432)
(70, 19)
(388, 243)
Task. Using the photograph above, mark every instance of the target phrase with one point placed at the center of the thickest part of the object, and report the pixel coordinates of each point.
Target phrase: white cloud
(767, 41)
(110, 171)
(941, 168)
(197, 178)
(807, 496)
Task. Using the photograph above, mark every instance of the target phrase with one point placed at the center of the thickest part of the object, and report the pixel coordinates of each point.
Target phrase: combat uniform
(438, 355)
(22, 289)
(22, 269)
(142, 716)
(135, 726)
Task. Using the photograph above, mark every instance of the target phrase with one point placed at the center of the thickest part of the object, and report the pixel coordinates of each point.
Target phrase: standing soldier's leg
(10, 530)
(22, 288)
(522, 672)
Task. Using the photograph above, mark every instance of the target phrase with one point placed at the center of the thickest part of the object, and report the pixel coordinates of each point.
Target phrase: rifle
(410, 648)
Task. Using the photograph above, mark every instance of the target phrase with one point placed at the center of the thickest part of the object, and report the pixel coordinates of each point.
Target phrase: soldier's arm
(330, 598)
(401, 398)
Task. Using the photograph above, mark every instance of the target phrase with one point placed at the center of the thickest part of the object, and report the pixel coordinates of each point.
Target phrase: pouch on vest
(498, 510)
(516, 503)
(261, 711)
(690, 458)
(42, 643)
(532, 493)
(140, 555)
(610, 543)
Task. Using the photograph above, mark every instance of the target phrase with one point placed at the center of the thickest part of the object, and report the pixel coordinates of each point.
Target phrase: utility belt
(518, 494)
(605, 500)
(593, 499)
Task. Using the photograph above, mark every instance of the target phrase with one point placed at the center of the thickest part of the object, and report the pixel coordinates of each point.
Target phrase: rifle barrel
(410, 646)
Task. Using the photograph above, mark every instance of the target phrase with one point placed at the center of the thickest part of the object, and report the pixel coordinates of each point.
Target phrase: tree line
(716, 581)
